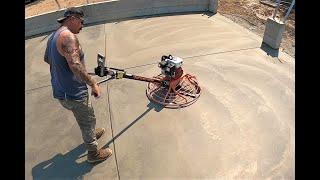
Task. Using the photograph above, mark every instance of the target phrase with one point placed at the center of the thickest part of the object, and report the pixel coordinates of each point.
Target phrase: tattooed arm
(71, 51)
(69, 47)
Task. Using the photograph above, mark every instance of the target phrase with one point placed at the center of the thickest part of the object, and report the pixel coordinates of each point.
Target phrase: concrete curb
(117, 9)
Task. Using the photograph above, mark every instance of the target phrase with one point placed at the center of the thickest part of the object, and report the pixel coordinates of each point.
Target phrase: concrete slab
(241, 127)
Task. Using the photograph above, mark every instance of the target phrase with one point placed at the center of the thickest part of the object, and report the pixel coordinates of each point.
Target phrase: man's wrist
(92, 83)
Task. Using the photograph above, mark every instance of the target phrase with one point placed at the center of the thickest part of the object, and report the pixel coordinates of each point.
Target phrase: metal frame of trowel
(116, 73)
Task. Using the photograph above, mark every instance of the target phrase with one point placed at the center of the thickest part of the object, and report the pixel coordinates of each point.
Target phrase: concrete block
(273, 33)
(213, 6)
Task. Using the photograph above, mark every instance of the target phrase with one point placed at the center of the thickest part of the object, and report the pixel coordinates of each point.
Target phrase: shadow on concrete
(270, 51)
(63, 166)
(208, 14)
(150, 106)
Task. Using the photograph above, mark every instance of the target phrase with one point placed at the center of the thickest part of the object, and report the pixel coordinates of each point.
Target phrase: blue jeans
(84, 114)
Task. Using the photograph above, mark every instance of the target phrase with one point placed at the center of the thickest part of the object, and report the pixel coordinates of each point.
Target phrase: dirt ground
(42, 6)
(252, 14)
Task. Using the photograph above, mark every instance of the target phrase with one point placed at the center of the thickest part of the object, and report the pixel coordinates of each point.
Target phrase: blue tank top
(64, 83)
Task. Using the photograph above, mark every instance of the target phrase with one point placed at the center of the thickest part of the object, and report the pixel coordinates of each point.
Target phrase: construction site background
(251, 14)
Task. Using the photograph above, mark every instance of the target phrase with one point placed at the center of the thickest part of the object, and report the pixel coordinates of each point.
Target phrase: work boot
(99, 132)
(99, 155)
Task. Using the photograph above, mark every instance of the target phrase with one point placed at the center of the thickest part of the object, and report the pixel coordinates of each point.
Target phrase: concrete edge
(116, 9)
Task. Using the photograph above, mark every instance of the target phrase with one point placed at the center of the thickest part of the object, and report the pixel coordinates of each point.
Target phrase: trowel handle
(101, 61)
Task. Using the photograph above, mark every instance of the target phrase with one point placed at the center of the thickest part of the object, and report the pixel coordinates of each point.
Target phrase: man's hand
(96, 90)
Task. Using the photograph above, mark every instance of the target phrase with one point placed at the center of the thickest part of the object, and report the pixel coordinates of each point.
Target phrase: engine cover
(171, 66)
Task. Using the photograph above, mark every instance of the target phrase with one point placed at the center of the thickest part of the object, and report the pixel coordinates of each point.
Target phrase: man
(69, 80)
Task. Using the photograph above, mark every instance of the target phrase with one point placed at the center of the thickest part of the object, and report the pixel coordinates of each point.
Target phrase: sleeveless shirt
(64, 83)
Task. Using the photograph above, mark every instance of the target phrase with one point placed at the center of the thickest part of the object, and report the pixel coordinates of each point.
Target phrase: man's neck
(63, 27)
(65, 24)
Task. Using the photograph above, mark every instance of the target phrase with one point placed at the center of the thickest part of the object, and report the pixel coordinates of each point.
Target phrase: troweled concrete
(241, 127)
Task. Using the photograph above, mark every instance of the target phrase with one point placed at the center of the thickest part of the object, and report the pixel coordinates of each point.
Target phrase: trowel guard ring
(179, 93)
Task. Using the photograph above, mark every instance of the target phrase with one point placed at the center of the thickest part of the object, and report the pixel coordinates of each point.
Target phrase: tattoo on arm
(70, 47)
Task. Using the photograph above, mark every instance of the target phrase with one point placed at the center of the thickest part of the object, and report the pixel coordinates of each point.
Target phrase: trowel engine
(171, 67)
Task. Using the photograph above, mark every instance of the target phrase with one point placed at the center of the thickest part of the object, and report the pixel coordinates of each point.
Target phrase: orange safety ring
(180, 92)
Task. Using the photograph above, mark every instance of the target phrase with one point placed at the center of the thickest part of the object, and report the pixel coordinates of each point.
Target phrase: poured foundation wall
(117, 9)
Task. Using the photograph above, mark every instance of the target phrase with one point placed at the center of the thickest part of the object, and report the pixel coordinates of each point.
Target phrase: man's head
(73, 19)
